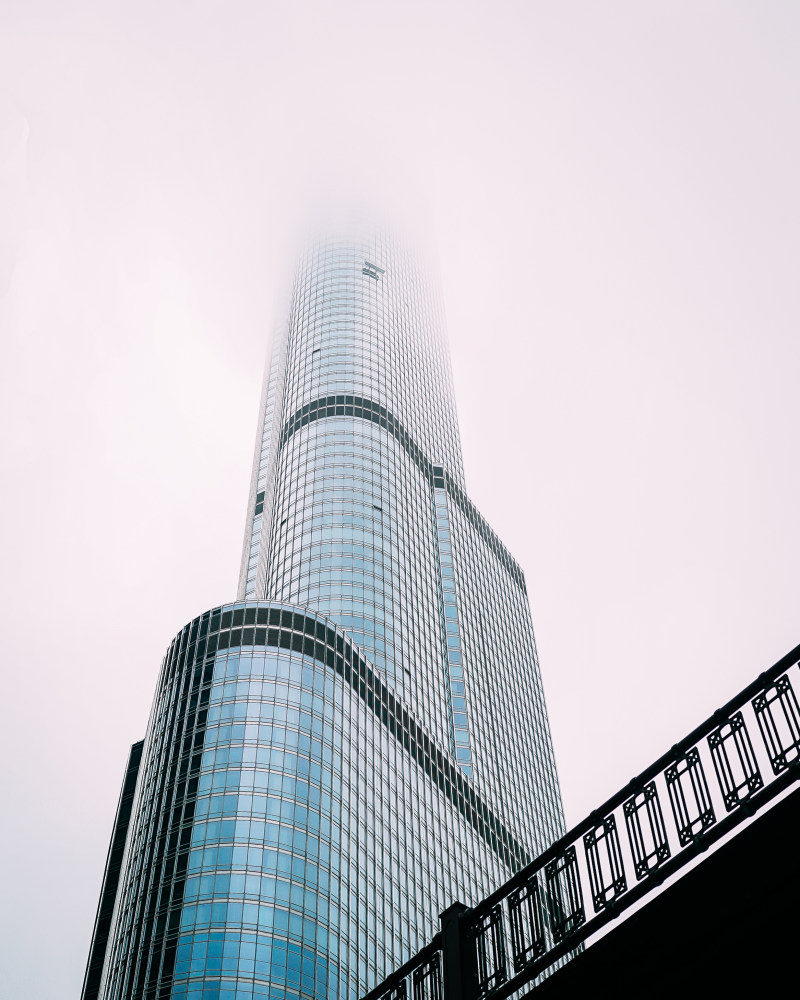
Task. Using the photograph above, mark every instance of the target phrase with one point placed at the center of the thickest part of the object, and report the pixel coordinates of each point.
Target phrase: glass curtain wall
(361, 739)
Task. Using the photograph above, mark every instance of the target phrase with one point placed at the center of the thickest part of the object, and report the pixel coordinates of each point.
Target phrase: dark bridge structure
(729, 922)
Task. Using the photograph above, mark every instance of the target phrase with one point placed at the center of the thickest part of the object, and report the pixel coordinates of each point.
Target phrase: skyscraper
(360, 739)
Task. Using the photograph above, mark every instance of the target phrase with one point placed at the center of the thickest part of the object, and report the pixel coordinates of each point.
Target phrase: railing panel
(490, 945)
(427, 979)
(649, 844)
(778, 717)
(564, 895)
(734, 762)
(689, 796)
(604, 858)
(527, 923)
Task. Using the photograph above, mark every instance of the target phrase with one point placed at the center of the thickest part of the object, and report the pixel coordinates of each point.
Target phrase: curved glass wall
(296, 830)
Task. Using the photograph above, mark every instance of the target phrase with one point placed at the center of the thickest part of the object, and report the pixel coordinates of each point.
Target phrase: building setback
(360, 739)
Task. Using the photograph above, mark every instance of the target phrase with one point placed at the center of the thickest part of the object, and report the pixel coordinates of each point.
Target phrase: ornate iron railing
(737, 761)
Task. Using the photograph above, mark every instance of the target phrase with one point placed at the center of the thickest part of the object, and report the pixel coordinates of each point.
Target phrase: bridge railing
(737, 761)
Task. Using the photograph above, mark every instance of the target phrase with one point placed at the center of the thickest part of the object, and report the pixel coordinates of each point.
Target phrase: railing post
(459, 972)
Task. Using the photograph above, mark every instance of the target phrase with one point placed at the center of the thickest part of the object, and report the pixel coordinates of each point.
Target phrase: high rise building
(360, 739)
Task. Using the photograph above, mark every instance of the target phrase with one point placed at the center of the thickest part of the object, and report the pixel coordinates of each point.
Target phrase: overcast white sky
(613, 188)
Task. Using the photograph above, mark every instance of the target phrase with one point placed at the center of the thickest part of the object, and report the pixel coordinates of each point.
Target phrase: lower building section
(295, 830)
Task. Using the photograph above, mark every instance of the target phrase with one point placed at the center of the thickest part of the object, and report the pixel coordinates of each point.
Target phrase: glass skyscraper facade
(360, 739)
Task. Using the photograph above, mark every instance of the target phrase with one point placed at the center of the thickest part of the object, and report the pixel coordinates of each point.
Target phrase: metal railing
(737, 761)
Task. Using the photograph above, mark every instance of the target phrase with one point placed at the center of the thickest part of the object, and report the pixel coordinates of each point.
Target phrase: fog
(612, 192)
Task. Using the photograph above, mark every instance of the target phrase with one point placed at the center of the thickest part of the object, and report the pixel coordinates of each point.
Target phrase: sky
(613, 194)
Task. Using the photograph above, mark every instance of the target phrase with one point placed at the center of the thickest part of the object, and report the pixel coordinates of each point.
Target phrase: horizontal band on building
(316, 637)
(376, 413)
